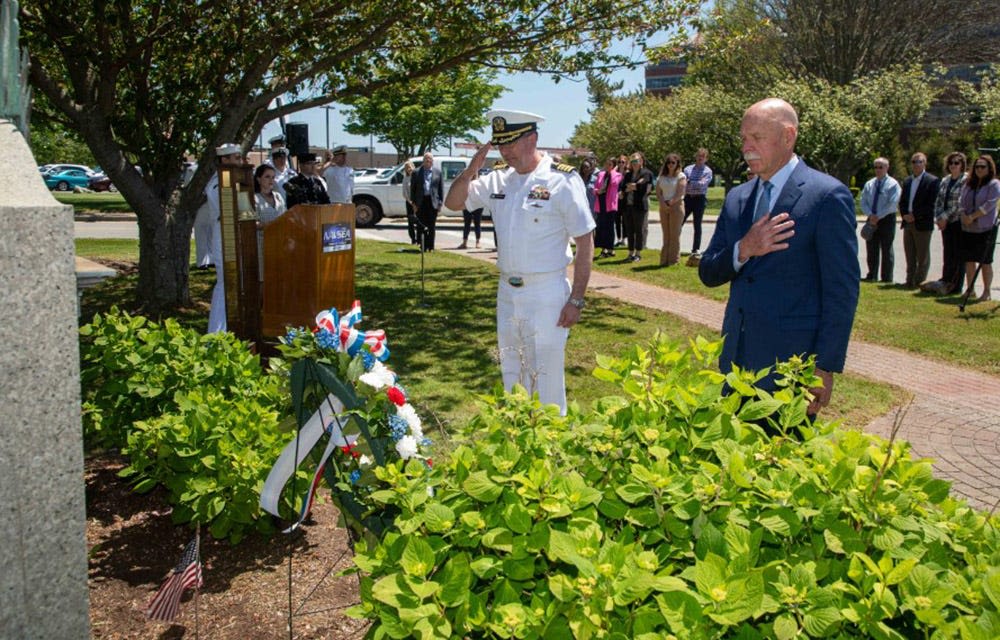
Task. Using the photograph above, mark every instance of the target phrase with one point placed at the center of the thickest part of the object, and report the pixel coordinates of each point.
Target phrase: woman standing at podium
(270, 205)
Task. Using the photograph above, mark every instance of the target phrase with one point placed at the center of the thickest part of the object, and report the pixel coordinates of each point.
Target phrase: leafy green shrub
(212, 454)
(193, 412)
(667, 513)
(131, 369)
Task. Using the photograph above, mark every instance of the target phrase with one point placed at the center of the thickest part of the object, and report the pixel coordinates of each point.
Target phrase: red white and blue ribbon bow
(349, 339)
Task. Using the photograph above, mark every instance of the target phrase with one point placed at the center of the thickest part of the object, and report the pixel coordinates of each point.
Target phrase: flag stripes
(166, 604)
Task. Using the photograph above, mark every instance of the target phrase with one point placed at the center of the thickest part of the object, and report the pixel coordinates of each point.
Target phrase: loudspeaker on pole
(297, 137)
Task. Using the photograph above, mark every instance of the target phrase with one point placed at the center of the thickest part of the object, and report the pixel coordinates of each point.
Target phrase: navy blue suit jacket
(800, 300)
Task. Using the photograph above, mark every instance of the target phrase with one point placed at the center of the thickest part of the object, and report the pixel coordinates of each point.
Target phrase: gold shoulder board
(565, 168)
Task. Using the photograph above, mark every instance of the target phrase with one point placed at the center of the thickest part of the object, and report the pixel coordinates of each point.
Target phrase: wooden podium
(308, 266)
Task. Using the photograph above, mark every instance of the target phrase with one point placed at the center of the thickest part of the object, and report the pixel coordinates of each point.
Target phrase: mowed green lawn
(443, 343)
(99, 202)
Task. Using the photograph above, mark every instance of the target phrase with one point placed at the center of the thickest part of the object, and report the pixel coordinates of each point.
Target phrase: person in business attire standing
(605, 207)
(879, 201)
(979, 200)
(427, 191)
(538, 206)
(636, 185)
(947, 216)
(411, 207)
(786, 244)
(699, 179)
(670, 187)
(916, 205)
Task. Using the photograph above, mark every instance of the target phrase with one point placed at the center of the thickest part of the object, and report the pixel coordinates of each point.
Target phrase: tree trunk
(164, 259)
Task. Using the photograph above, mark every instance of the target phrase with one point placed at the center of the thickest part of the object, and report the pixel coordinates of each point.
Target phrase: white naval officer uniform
(535, 216)
(203, 225)
(339, 184)
(217, 314)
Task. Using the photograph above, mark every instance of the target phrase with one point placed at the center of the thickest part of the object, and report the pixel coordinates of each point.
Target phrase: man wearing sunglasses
(916, 205)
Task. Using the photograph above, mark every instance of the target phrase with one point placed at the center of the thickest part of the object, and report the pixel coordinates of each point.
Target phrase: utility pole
(328, 109)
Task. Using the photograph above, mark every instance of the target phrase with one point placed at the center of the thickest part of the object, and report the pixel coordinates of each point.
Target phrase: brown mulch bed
(132, 545)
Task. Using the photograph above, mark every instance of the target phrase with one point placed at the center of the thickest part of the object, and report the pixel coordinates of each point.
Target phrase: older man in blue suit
(786, 243)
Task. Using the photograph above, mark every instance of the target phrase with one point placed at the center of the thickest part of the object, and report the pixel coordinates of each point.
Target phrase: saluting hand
(479, 159)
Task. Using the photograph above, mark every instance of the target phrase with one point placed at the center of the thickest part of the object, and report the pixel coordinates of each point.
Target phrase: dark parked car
(66, 180)
(102, 183)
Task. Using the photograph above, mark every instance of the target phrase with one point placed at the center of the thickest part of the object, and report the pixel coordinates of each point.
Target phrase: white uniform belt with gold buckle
(518, 280)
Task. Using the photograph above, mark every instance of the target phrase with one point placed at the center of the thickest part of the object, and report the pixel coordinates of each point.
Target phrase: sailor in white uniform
(538, 206)
(227, 155)
(283, 171)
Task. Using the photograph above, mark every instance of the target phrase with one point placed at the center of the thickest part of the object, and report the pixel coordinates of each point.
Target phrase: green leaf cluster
(666, 512)
(193, 413)
(212, 454)
(132, 368)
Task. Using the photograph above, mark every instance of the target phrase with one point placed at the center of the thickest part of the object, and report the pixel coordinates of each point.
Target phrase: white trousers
(203, 233)
(532, 347)
(217, 315)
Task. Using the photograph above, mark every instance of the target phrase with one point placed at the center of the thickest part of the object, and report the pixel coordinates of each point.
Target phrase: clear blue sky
(563, 105)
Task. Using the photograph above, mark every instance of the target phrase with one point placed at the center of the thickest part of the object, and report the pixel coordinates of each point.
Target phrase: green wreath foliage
(666, 512)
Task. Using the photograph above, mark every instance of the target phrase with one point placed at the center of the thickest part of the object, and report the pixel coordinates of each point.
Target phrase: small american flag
(167, 602)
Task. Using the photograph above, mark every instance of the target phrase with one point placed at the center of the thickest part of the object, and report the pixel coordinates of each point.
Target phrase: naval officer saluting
(537, 207)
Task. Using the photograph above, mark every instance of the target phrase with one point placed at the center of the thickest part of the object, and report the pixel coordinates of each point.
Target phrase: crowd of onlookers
(619, 198)
(963, 206)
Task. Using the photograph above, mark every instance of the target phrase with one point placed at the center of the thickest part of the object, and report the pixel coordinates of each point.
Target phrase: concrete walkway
(955, 415)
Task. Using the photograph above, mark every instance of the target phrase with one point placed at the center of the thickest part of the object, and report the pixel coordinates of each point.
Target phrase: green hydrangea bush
(665, 512)
(131, 369)
(193, 413)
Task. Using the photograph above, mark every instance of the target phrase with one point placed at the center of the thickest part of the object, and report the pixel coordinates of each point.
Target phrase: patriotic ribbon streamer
(327, 419)
(349, 339)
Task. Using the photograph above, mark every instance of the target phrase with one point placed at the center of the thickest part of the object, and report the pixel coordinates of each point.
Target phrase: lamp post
(328, 109)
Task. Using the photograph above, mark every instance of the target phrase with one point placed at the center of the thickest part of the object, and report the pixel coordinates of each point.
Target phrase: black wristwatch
(579, 303)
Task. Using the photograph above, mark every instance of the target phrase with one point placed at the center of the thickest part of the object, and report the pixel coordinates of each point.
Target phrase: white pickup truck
(381, 196)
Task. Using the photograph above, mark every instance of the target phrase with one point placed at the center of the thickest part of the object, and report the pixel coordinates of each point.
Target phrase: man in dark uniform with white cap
(227, 155)
(537, 207)
(306, 188)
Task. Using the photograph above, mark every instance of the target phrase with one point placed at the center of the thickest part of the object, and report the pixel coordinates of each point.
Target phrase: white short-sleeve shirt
(534, 215)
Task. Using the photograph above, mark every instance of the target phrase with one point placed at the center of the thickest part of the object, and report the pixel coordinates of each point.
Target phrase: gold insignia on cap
(499, 123)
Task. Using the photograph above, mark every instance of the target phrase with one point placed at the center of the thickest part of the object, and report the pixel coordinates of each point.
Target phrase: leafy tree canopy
(841, 127)
(837, 40)
(424, 114)
(148, 81)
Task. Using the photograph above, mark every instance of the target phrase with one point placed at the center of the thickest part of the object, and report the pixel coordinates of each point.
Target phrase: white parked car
(59, 168)
(381, 196)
